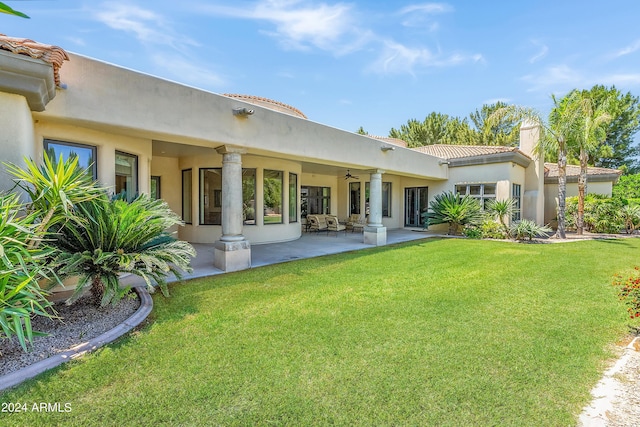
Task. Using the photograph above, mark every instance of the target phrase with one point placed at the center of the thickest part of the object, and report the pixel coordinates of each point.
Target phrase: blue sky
(370, 63)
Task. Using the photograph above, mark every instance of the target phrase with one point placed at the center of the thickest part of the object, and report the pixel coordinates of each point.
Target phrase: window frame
(481, 197)
(264, 204)
(293, 197)
(187, 202)
(134, 176)
(92, 148)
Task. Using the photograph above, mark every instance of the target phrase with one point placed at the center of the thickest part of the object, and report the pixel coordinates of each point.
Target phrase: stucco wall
(16, 135)
(256, 234)
(107, 144)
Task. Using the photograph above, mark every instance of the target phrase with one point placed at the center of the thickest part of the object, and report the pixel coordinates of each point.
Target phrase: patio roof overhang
(182, 119)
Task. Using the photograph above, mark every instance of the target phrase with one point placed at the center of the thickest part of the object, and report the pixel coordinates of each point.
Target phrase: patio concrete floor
(309, 245)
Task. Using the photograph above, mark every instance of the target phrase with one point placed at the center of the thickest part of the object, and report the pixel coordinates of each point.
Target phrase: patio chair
(315, 224)
(334, 225)
(356, 223)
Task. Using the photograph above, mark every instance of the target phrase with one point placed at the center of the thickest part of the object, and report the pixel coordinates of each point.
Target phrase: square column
(232, 252)
(375, 233)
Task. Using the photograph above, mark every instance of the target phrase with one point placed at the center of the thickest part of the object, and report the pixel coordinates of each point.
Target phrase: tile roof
(268, 103)
(389, 140)
(54, 55)
(551, 171)
(448, 152)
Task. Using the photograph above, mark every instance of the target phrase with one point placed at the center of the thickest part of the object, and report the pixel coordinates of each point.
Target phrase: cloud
(187, 71)
(147, 26)
(627, 50)
(336, 28)
(300, 26)
(397, 58)
(544, 49)
(559, 76)
(420, 15)
(562, 78)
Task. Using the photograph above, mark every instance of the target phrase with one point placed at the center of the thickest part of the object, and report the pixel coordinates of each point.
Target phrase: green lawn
(438, 332)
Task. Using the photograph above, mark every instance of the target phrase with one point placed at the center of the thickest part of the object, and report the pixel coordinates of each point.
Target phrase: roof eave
(509, 156)
(31, 78)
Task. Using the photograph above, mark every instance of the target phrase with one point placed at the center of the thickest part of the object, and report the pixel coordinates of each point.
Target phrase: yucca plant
(527, 229)
(21, 267)
(630, 214)
(500, 209)
(111, 237)
(455, 210)
(54, 189)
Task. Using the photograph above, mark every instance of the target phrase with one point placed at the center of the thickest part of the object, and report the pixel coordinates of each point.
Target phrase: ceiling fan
(349, 176)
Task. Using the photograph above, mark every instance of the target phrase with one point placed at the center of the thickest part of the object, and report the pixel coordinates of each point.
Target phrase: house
(240, 170)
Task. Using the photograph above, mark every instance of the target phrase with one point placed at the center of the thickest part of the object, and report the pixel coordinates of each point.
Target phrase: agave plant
(21, 267)
(527, 229)
(111, 237)
(455, 210)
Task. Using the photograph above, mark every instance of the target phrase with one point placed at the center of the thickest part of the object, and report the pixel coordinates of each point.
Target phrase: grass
(440, 332)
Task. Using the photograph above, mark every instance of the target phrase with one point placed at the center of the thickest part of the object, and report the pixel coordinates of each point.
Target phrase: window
(86, 155)
(315, 200)
(155, 188)
(187, 196)
(211, 196)
(273, 181)
(293, 197)
(273, 187)
(481, 192)
(249, 196)
(516, 195)
(386, 198)
(354, 198)
(126, 174)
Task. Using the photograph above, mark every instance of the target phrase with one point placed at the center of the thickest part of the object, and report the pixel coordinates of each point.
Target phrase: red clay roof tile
(54, 55)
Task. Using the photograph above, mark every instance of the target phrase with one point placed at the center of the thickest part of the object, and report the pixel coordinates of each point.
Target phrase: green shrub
(492, 230)
(601, 214)
(22, 266)
(501, 209)
(628, 186)
(111, 237)
(527, 229)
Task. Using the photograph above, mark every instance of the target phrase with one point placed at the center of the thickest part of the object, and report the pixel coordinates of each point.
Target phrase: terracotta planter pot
(62, 293)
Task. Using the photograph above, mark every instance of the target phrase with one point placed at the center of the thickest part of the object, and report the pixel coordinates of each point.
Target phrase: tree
(361, 131)
(501, 209)
(436, 128)
(590, 133)
(8, 10)
(553, 139)
(505, 132)
(618, 151)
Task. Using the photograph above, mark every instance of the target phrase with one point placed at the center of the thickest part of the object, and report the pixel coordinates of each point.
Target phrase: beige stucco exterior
(170, 128)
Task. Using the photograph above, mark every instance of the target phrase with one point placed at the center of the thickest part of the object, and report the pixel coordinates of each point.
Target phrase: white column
(375, 233)
(231, 197)
(232, 252)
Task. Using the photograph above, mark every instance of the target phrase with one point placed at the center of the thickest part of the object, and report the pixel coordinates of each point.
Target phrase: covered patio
(309, 245)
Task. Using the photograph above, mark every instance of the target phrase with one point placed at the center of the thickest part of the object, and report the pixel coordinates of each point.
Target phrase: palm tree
(111, 237)
(554, 136)
(501, 209)
(590, 134)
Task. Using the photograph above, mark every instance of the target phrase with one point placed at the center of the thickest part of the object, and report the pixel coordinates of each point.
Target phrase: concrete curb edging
(605, 392)
(16, 377)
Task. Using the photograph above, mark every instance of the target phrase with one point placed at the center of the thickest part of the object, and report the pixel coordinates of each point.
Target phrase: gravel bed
(625, 406)
(79, 322)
